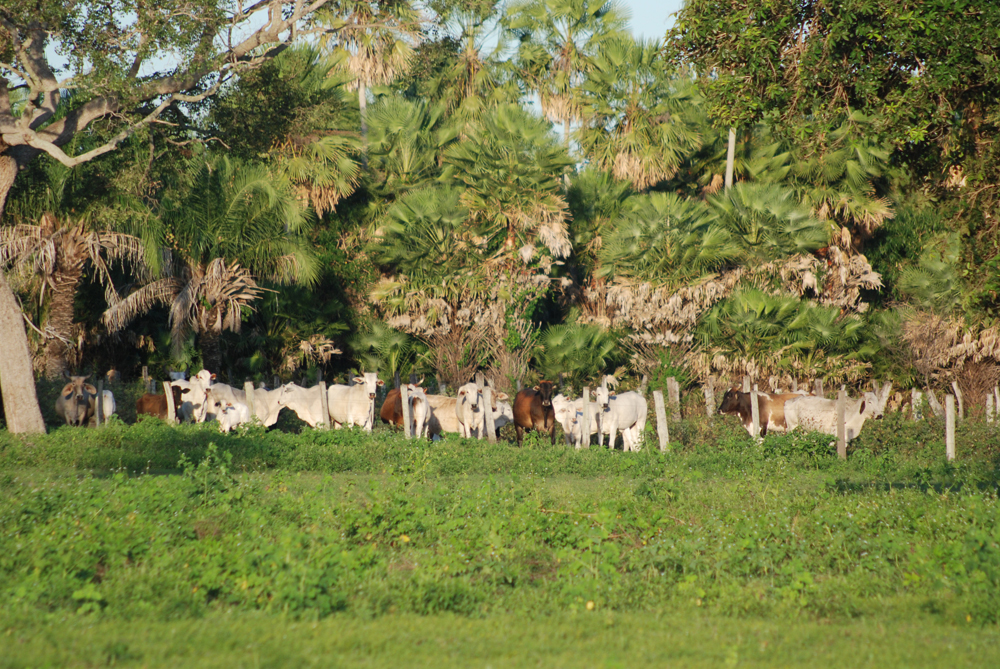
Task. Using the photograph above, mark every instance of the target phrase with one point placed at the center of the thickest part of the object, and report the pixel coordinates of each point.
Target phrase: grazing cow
(442, 416)
(626, 412)
(470, 410)
(820, 415)
(354, 405)
(533, 411)
(392, 409)
(569, 414)
(770, 409)
(75, 403)
(156, 405)
(305, 402)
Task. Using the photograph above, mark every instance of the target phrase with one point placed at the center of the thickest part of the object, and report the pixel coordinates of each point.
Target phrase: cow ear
(67, 390)
(380, 383)
(461, 392)
(90, 389)
(359, 379)
(502, 396)
(535, 388)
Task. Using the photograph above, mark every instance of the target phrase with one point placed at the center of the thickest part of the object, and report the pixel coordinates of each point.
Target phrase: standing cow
(354, 405)
(470, 410)
(533, 411)
(76, 401)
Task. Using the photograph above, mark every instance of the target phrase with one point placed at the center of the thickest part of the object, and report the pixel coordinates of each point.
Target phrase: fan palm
(641, 123)
(510, 164)
(231, 223)
(558, 40)
(579, 352)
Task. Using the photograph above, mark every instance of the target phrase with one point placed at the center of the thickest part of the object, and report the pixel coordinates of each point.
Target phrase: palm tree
(231, 224)
(558, 40)
(641, 123)
(510, 165)
(374, 44)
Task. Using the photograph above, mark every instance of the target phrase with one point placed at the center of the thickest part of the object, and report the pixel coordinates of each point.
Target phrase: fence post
(674, 395)
(935, 405)
(145, 376)
(709, 390)
(404, 398)
(644, 384)
(916, 404)
(959, 399)
(754, 413)
(479, 381)
(99, 417)
(251, 400)
(171, 409)
(518, 385)
(276, 382)
(442, 388)
(661, 420)
(795, 385)
(489, 424)
(585, 426)
(324, 403)
(841, 424)
(989, 408)
(395, 380)
(818, 388)
(746, 384)
(949, 426)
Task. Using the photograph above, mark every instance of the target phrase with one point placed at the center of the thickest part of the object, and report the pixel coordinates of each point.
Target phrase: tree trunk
(363, 107)
(58, 349)
(730, 158)
(17, 380)
(211, 353)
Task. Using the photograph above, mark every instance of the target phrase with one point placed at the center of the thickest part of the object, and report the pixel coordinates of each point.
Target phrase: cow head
(206, 377)
(733, 402)
(371, 382)
(545, 388)
(603, 395)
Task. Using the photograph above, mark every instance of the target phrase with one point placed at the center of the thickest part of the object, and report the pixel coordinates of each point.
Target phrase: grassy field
(149, 545)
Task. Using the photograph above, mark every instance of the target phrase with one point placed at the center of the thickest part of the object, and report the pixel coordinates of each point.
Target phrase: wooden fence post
(754, 413)
(644, 384)
(99, 418)
(841, 424)
(949, 427)
(518, 385)
(324, 403)
(959, 399)
(171, 409)
(276, 382)
(746, 384)
(709, 390)
(674, 395)
(404, 398)
(585, 426)
(795, 385)
(818, 388)
(145, 376)
(935, 405)
(661, 420)
(488, 423)
(989, 408)
(251, 400)
(479, 381)
(442, 387)
(916, 404)
(395, 380)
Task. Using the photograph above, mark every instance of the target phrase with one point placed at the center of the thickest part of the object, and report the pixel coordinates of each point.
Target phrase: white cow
(569, 414)
(442, 417)
(355, 404)
(819, 414)
(420, 410)
(470, 410)
(305, 402)
(265, 405)
(232, 414)
(626, 412)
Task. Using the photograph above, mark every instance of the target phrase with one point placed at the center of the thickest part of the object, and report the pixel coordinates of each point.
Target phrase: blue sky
(650, 17)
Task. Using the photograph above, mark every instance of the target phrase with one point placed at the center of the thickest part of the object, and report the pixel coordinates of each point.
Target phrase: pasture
(152, 545)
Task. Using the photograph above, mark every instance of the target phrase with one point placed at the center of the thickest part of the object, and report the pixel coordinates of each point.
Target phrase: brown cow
(533, 411)
(156, 405)
(770, 409)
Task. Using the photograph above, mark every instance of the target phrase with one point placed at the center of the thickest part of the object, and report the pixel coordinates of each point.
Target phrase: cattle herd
(201, 399)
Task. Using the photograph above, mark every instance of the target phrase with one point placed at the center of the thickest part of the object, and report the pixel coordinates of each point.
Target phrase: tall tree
(233, 224)
(107, 50)
(558, 39)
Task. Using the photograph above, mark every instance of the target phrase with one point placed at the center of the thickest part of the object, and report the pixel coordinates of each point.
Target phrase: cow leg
(519, 431)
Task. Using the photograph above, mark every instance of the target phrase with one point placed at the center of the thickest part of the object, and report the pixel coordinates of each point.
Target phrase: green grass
(152, 545)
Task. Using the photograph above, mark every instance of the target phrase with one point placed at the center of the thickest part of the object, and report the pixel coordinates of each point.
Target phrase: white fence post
(949, 426)
(841, 424)
(989, 408)
(709, 390)
(959, 399)
(171, 409)
(404, 398)
(674, 395)
(251, 403)
(488, 423)
(324, 403)
(661, 420)
(99, 418)
(585, 427)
